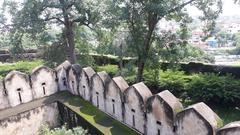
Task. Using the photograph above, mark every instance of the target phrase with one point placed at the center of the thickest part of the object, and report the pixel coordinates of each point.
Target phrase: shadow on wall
(135, 105)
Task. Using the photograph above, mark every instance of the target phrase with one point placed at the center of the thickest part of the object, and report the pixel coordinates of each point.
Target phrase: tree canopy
(140, 19)
(35, 16)
(143, 16)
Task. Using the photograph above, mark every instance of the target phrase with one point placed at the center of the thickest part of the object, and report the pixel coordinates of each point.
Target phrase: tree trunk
(152, 21)
(69, 33)
(141, 64)
(71, 44)
(121, 59)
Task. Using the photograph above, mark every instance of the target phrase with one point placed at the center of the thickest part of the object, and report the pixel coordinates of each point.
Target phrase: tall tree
(33, 16)
(143, 16)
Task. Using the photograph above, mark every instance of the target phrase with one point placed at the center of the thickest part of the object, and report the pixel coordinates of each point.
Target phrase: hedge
(211, 88)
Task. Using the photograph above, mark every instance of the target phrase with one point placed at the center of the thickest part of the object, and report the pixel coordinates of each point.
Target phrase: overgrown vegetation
(222, 93)
(23, 66)
(62, 131)
(214, 89)
(207, 87)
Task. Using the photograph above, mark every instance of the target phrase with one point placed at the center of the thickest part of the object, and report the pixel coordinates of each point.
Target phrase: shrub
(112, 70)
(85, 60)
(207, 87)
(174, 81)
(45, 130)
(54, 54)
(214, 89)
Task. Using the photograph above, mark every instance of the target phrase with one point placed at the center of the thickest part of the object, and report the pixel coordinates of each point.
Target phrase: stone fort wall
(136, 106)
(29, 122)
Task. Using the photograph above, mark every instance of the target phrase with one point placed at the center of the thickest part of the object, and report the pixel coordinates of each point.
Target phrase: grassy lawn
(100, 120)
(23, 66)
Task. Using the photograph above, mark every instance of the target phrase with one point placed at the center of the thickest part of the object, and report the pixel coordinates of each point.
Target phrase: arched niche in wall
(85, 83)
(62, 75)
(114, 96)
(232, 128)
(197, 119)
(73, 76)
(161, 111)
(44, 81)
(4, 102)
(135, 98)
(98, 82)
(18, 88)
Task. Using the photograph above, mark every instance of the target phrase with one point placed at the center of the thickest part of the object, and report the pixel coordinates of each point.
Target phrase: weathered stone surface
(197, 119)
(29, 122)
(66, 64)
(135, 99)
(4, 103)
(121, 83)
(62, 75)
(43, 82)
(161, 111)
(230, 129)
(18, 88)
(98, 81)
(114, 97)
(85, 83)
(73, 78)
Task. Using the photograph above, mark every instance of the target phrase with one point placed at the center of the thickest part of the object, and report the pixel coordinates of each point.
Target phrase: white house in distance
(135, 99)
(18, 88)
(114, 97)
(85, 83)
(44, 82)
(161, 112)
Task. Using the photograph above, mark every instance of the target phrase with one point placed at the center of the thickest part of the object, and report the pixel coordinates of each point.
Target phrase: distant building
(212, 42)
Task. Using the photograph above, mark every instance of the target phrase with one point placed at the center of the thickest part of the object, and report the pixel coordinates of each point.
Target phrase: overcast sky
(229, 8)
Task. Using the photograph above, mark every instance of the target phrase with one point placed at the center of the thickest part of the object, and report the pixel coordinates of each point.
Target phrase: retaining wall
(134, 105)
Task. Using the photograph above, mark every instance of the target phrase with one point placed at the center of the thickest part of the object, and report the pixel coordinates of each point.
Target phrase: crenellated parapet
(136, 106)
(161, 112)
(18, 88)
(43, 81)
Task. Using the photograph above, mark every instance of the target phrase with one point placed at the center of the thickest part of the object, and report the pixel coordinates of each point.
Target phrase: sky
(229, 8)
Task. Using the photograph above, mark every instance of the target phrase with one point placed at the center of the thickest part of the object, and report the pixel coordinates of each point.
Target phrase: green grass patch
(97, 118)
(110, 69)
(227, 114)
(22, 66)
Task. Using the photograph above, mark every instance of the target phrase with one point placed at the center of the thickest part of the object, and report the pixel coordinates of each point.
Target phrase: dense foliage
(120, 27)
(208, 87)
(54, 54)
(214, 89)
(142, 19)
(62, 131)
